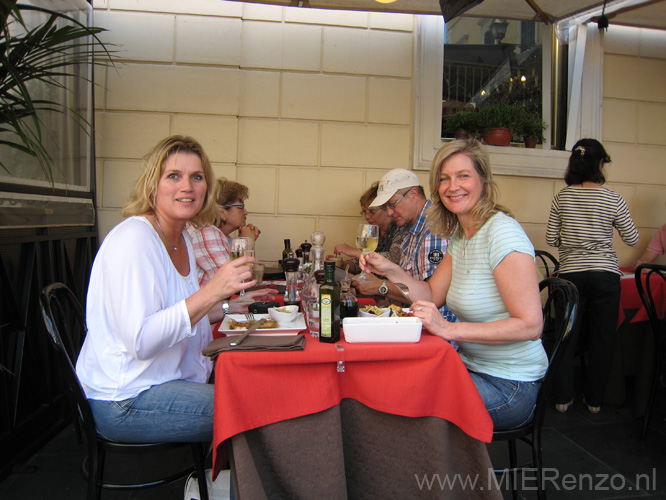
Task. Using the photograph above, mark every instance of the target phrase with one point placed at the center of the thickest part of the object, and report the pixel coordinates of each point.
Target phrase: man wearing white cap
(401, 195)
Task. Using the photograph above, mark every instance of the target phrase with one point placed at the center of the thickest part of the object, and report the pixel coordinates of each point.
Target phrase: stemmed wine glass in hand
(242, 247)
(367, 239)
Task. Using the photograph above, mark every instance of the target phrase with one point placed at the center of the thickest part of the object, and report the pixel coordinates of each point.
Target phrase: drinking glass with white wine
(367, 239)
(242, 247)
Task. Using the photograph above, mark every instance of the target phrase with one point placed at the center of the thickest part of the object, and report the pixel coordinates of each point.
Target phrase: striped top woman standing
(581, 221)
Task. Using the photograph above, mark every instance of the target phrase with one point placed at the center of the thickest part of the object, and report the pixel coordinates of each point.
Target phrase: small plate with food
(372, 311)
(236, 324)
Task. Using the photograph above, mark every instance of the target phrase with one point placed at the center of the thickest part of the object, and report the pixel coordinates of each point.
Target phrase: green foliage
(500, 115)
(462, 120)
(41, 55)
(532, 126)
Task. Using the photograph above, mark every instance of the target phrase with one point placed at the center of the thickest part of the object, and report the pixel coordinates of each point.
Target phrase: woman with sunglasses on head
(390, 234)
(212, 243)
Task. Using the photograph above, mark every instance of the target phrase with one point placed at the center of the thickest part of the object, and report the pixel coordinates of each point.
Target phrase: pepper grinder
(291, 296)
(305, 248)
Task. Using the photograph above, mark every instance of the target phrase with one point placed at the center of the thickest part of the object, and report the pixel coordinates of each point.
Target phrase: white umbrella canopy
(638, 13)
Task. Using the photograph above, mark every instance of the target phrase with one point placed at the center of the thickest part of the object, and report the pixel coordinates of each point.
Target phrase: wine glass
(242, 247)
(367, 239)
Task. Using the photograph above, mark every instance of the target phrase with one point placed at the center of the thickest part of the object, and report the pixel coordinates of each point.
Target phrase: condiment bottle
(290, 266)
(312, 301)
(305, 248)
(348, 302)
(287, 252)
(329, 306)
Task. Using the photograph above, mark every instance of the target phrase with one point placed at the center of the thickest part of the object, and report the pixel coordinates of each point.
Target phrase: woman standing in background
(580, 224)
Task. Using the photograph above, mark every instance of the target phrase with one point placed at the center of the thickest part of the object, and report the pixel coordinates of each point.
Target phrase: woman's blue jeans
(176, 411)
(510, 403)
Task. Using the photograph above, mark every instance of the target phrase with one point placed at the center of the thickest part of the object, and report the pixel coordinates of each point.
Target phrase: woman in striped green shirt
(488, 278)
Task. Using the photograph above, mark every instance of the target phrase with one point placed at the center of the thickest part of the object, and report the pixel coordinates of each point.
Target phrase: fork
(249, 316)
(405, 290)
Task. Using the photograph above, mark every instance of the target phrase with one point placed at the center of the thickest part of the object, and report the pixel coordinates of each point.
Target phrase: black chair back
(559, 313)
(65, 322)
(650, 277)
(550, 264)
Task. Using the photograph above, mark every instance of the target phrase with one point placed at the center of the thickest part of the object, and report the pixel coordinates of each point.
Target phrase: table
(634, 347)
(397, 414)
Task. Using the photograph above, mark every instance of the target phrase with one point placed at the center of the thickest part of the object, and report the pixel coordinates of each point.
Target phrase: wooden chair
(559, 313)
(65, 323)
(647, 277)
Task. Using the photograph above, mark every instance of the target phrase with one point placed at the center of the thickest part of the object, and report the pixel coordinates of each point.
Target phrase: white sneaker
(564, 407)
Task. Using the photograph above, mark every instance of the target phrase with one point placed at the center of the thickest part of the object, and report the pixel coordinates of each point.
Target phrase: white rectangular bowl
(376, 330)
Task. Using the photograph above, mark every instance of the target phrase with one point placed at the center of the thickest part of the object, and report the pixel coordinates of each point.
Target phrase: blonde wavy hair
(443, 222)
(142, 199)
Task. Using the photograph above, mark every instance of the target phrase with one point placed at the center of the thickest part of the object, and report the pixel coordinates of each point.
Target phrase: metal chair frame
(657, 325)
(548, 261)
(559, 313)
(65, 322)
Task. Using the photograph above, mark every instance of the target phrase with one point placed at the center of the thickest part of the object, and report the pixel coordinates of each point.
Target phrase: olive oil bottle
(329, 306)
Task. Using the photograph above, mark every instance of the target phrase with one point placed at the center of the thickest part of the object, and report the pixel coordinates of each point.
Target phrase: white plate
(364, 314)
(379, 330)
(291, 328)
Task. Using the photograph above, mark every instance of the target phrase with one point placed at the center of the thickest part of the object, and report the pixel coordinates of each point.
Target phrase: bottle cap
(320, 276)
(329, 266)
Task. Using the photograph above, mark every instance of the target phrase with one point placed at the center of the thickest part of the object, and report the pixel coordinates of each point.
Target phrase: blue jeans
(176, 411)
(509, 402)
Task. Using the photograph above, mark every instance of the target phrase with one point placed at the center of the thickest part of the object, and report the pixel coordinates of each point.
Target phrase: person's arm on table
(518, 285)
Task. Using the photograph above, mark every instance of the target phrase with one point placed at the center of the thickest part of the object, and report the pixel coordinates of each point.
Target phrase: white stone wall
(309, 107)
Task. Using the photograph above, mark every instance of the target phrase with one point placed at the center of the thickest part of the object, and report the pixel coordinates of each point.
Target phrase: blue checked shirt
(422, 252)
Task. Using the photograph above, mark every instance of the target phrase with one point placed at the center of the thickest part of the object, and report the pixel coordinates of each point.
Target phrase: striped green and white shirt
(581, 224)
(474, 297)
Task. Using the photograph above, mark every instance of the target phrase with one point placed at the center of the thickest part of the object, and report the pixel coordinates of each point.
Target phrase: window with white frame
(431, 101)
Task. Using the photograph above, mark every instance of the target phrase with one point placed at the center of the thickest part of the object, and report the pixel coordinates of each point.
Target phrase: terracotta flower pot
(498, 137)
(530, 141)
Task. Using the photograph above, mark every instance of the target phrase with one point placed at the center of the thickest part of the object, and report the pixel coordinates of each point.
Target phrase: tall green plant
(45, 54)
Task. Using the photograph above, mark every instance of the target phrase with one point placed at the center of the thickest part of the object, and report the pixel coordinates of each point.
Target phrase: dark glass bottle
(287, 252)
(348, 302)
(329, 306)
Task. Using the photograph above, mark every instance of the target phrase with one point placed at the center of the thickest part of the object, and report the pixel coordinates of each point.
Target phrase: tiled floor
(602, 453)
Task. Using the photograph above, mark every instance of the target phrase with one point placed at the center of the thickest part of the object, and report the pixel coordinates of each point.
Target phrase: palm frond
(44, 55)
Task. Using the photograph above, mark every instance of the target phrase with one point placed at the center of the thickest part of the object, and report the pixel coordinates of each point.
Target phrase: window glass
(490, 61)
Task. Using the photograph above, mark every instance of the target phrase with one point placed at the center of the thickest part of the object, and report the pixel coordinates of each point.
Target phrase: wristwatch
(225, 307)
(383, 288)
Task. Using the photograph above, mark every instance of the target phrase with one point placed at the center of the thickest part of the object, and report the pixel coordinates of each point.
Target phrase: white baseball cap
(398, 178)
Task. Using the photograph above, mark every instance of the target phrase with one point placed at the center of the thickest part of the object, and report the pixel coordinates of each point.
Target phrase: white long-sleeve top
(139, 332)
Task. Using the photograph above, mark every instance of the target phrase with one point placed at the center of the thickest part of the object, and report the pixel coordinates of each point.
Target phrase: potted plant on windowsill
(498, 122)
(531, 130)
(462, 124)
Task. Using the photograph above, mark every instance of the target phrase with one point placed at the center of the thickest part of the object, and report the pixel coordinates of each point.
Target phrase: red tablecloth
(254, 389)
(631, 300)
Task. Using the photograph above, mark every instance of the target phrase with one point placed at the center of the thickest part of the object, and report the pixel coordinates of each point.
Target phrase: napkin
(256, 343)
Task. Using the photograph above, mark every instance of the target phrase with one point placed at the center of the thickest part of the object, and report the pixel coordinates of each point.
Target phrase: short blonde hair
(142, 199)
(440, 219)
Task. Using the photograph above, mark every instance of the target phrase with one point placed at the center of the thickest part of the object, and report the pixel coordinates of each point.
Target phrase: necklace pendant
(174, 248)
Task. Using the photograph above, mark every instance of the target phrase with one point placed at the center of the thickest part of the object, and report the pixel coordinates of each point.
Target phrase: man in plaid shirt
(401, 195)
